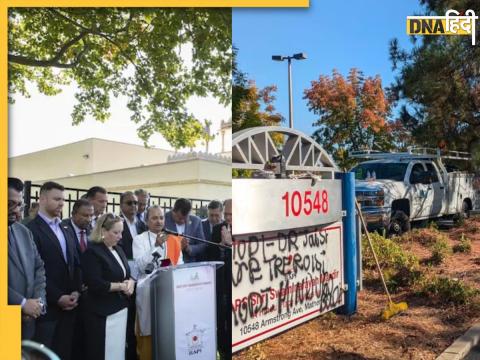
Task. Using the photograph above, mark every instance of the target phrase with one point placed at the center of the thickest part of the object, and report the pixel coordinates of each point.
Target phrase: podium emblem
(195, 277)
(195, 340)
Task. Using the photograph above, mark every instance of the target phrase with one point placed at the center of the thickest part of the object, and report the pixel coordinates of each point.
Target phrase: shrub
(433, 225)
(448, 291)
(400, 268)
(440, 251)
(465, 245)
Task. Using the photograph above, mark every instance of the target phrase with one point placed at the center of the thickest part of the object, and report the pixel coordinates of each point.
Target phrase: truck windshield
(381, 171)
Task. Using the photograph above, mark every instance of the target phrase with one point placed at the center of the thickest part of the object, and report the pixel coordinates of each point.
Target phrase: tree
(352, 112)
(251, 106)
(157, 58)
(438, 82)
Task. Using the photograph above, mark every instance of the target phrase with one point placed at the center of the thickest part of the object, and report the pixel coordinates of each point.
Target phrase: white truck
(394, 189)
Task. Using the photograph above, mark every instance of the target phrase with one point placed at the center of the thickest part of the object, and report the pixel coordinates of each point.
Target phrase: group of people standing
(75, 278)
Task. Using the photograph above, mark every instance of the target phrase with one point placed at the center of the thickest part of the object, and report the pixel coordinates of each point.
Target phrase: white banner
(281, 279)
(195, 315)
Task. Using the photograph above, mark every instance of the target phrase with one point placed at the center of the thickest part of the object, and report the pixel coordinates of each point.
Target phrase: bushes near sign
(440, 251)
(400, 267)
(464, 246)
(448, 291)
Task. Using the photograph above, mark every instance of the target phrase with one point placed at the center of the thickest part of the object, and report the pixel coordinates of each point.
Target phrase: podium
(182, 311)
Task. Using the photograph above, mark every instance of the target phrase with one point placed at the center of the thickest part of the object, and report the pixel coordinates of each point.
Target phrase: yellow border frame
(10, 315)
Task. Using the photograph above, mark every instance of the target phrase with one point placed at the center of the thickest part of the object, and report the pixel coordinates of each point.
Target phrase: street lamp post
(299, 56)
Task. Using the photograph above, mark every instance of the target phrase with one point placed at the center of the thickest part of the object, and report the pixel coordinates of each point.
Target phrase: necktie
(83, 243)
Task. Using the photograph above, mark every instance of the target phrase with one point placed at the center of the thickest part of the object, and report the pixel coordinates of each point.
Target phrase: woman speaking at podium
(107, 276)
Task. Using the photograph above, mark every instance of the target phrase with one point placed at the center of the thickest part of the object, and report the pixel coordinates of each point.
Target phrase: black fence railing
(32, 194)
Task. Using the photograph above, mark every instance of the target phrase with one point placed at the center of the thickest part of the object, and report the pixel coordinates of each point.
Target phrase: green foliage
(241, 173)
(465, 245)
(440, 251)
(448, 291)
(439, 82)
(157, 58)
(400, 267)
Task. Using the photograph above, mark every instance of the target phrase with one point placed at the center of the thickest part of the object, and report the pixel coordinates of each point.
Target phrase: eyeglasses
(131, 202)
(14, 204)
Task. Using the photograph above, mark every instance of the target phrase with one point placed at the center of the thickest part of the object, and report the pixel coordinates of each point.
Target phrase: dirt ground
(422, 332)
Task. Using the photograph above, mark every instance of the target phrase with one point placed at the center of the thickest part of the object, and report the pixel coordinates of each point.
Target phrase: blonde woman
(107, 276)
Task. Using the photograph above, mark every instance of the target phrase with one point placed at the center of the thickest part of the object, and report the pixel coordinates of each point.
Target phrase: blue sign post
(350, 244)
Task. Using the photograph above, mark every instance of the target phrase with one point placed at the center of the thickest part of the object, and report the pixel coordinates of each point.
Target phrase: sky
(42, 122)
(334, 34)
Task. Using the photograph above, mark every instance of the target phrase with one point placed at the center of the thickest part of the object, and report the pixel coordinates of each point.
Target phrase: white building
(119, 167)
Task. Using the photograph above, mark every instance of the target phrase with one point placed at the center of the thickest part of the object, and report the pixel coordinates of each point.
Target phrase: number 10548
(307, 202)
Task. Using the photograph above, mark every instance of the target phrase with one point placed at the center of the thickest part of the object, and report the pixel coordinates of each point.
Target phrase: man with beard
(57, 249)
(26, 273)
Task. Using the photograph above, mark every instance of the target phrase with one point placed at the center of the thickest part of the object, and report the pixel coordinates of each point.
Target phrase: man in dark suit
(180, 221)
(97, 196)
(214, 211)
(56, 246)
(26, 273)
(143, 198)
(131, 228)
(131, 225)
(79, 223)
(222, 234)
(79, 226)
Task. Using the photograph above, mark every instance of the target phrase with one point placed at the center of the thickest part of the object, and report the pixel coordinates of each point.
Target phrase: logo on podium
(195, 277)
(195, 340)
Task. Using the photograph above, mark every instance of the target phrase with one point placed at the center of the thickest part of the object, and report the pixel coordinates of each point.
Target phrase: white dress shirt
(132, 226)
(144, 246)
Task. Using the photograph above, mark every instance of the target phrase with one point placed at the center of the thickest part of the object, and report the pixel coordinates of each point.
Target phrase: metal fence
(32, 193)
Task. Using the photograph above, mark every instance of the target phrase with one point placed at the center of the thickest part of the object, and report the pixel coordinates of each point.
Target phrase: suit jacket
(62, 278)
(216, 253)
(207, 233)
(193, 227)
(26, 272)
(68, 224)
(127, 240)
(100, 268)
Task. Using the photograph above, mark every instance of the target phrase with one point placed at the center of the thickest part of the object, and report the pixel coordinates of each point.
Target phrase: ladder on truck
(413, 153)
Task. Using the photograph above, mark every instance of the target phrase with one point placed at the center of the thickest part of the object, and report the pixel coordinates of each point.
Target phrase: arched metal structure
(252, 148)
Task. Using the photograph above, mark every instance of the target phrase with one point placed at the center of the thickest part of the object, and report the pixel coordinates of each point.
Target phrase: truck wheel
(399, 223)
(465, 212)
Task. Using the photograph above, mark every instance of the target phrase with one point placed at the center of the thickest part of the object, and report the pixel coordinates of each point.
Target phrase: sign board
(282, 279)
(262, 205)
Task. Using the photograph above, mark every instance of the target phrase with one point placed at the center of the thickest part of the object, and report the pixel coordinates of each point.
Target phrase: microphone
(151, 266)
(171, 232)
